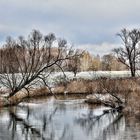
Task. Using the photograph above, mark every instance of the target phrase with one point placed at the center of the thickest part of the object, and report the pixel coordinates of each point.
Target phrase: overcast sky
(88, 24)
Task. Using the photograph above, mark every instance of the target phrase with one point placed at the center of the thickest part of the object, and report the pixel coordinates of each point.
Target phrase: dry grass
(101, 85)
(133, 105)
(79, 86)
(39, 92)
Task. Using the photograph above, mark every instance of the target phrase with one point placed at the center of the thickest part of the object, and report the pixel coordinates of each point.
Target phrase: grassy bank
(127, 89)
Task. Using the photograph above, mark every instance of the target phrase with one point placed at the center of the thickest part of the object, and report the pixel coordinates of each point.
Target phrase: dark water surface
(65, 118)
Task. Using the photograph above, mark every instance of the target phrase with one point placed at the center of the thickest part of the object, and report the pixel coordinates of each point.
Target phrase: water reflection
(63, 119)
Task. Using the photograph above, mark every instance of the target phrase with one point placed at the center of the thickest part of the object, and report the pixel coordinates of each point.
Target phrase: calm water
(67, 118)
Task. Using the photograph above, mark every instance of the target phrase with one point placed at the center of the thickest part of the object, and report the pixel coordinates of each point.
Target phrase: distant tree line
(87, 62)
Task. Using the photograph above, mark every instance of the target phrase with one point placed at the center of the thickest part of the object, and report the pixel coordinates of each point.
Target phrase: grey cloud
(79, 21)
(87, 9)
(102, 49)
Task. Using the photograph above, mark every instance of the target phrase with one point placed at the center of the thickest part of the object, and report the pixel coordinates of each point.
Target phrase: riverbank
(125, 88)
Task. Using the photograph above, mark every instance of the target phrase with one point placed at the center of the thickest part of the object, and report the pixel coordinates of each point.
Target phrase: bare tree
(74, 64)
(29, 58)
(130, 52)
(107, 61)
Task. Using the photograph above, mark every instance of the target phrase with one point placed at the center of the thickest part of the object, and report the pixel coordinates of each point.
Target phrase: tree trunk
(133, 72)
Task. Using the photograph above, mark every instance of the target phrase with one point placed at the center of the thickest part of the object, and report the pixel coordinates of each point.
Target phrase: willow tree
(24, 61)
(129, 53)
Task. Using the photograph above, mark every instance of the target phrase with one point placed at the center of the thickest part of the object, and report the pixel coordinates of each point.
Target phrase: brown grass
(101, 85)
(133, 105)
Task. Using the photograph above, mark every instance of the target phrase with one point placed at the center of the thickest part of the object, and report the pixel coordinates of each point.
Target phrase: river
(64, 118)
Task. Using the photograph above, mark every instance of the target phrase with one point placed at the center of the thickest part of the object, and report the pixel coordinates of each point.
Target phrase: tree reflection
(26, 129)
(32, 127)
(99, 125)
(61, 120)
